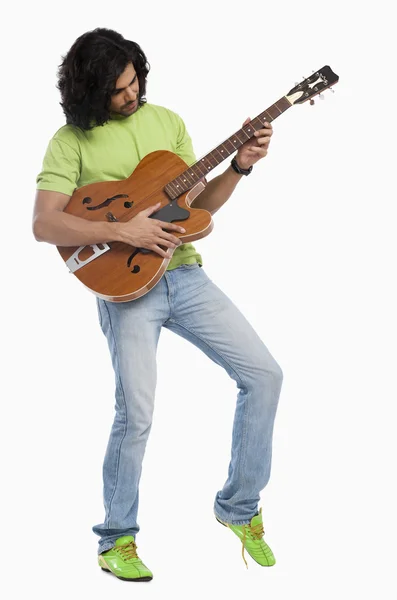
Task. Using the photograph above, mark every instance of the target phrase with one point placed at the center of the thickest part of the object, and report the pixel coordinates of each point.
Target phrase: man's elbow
(37, 228)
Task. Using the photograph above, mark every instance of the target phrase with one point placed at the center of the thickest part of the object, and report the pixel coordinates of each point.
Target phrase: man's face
(124, 100)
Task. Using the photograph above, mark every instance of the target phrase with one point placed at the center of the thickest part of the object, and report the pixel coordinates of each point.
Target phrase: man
(110, 128)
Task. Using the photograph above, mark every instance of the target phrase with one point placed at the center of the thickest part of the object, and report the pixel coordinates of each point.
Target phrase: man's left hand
(255, 148)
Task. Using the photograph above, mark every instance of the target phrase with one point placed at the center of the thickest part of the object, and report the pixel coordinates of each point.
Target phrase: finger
(167, 243)
(170, 226)
(261, 132)
(247, 120)
(259, 150)
(162, 253)
(171, 238)
(263, 140)
(266, 129)
(150, 210)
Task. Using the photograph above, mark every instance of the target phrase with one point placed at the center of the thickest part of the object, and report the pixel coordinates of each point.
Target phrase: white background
(305, 247)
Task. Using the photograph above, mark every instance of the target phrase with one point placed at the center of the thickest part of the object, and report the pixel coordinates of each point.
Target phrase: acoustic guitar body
(117, 271)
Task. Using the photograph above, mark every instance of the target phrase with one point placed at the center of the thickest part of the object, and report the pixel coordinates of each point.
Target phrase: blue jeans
(187, 302)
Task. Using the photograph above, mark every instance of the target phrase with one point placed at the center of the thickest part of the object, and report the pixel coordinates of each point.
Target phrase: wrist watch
(238, 169)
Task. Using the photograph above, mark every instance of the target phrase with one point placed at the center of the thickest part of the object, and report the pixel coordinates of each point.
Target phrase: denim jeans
(187, 302)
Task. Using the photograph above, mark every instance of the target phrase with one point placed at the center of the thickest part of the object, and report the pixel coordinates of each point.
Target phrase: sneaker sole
(128, 578)
(107, 570)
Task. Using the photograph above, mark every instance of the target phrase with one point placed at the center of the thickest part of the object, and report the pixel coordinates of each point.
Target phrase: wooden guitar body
(122, 272)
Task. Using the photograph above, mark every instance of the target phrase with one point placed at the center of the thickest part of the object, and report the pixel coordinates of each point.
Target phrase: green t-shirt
(75, 157)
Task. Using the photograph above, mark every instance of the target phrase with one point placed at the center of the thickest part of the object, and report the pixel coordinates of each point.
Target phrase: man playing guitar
(110, 128)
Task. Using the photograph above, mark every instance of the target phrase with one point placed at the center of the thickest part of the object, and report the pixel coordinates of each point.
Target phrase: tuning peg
(312, 101)
(333, 91)
(321, 97)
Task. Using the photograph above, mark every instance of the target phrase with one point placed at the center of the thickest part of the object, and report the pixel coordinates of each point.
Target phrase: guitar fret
(180, 184)
(237, 136)
(229, 142)
(250, 126)
(192, 174)
(245, 133)
(256, 126)
(211, 158)
(220, 154)
(173, 187)
(199, 167)
(216, 150)
(169, 191)
(186, 174)
(204, 163)
(270, 118)
(215, 158)
(285, 103)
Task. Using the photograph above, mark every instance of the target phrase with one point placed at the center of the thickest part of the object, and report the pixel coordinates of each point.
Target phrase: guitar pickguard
(171, 212)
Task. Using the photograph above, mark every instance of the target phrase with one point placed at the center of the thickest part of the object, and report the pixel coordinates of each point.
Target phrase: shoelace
(256, 532)
(128, 550)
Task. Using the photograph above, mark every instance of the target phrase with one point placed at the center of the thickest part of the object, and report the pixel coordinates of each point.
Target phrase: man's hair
(88, 73)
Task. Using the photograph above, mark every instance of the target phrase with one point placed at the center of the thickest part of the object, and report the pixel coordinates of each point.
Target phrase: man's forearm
(217, 191)
(62, 229)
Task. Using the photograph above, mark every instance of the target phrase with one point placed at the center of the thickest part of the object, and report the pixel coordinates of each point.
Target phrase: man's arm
(52, 225)
(217, 191)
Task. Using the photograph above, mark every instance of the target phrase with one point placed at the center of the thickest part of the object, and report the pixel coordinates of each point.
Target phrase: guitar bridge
(74, 263)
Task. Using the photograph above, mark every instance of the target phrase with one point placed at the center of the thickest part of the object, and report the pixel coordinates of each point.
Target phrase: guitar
(118, 272)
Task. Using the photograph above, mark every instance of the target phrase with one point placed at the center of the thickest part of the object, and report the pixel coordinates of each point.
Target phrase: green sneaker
(251, 536)
(123, 561)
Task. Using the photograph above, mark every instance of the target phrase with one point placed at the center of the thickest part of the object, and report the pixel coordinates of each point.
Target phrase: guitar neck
(205, 165)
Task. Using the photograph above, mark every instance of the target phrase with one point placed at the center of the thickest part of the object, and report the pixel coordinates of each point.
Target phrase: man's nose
(131, 94)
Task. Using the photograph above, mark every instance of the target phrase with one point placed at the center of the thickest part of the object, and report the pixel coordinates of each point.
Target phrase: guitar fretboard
(205, 165)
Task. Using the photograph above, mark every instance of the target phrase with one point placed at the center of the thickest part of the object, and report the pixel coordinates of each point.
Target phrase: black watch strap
(238, 169)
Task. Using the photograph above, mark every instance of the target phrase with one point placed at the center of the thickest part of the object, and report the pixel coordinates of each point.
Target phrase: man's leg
(132, 330)
(204, 315)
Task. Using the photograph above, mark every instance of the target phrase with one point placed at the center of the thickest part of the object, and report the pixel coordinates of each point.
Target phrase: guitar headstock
(312, 86)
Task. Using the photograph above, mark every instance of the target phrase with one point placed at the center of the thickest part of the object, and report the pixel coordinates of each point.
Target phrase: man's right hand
(143, 232)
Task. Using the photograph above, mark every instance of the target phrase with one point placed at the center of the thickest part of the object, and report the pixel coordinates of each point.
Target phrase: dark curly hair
(89, 71)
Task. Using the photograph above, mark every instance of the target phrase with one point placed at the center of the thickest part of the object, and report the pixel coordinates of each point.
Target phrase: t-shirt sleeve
(61, 168)
(184, 146)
